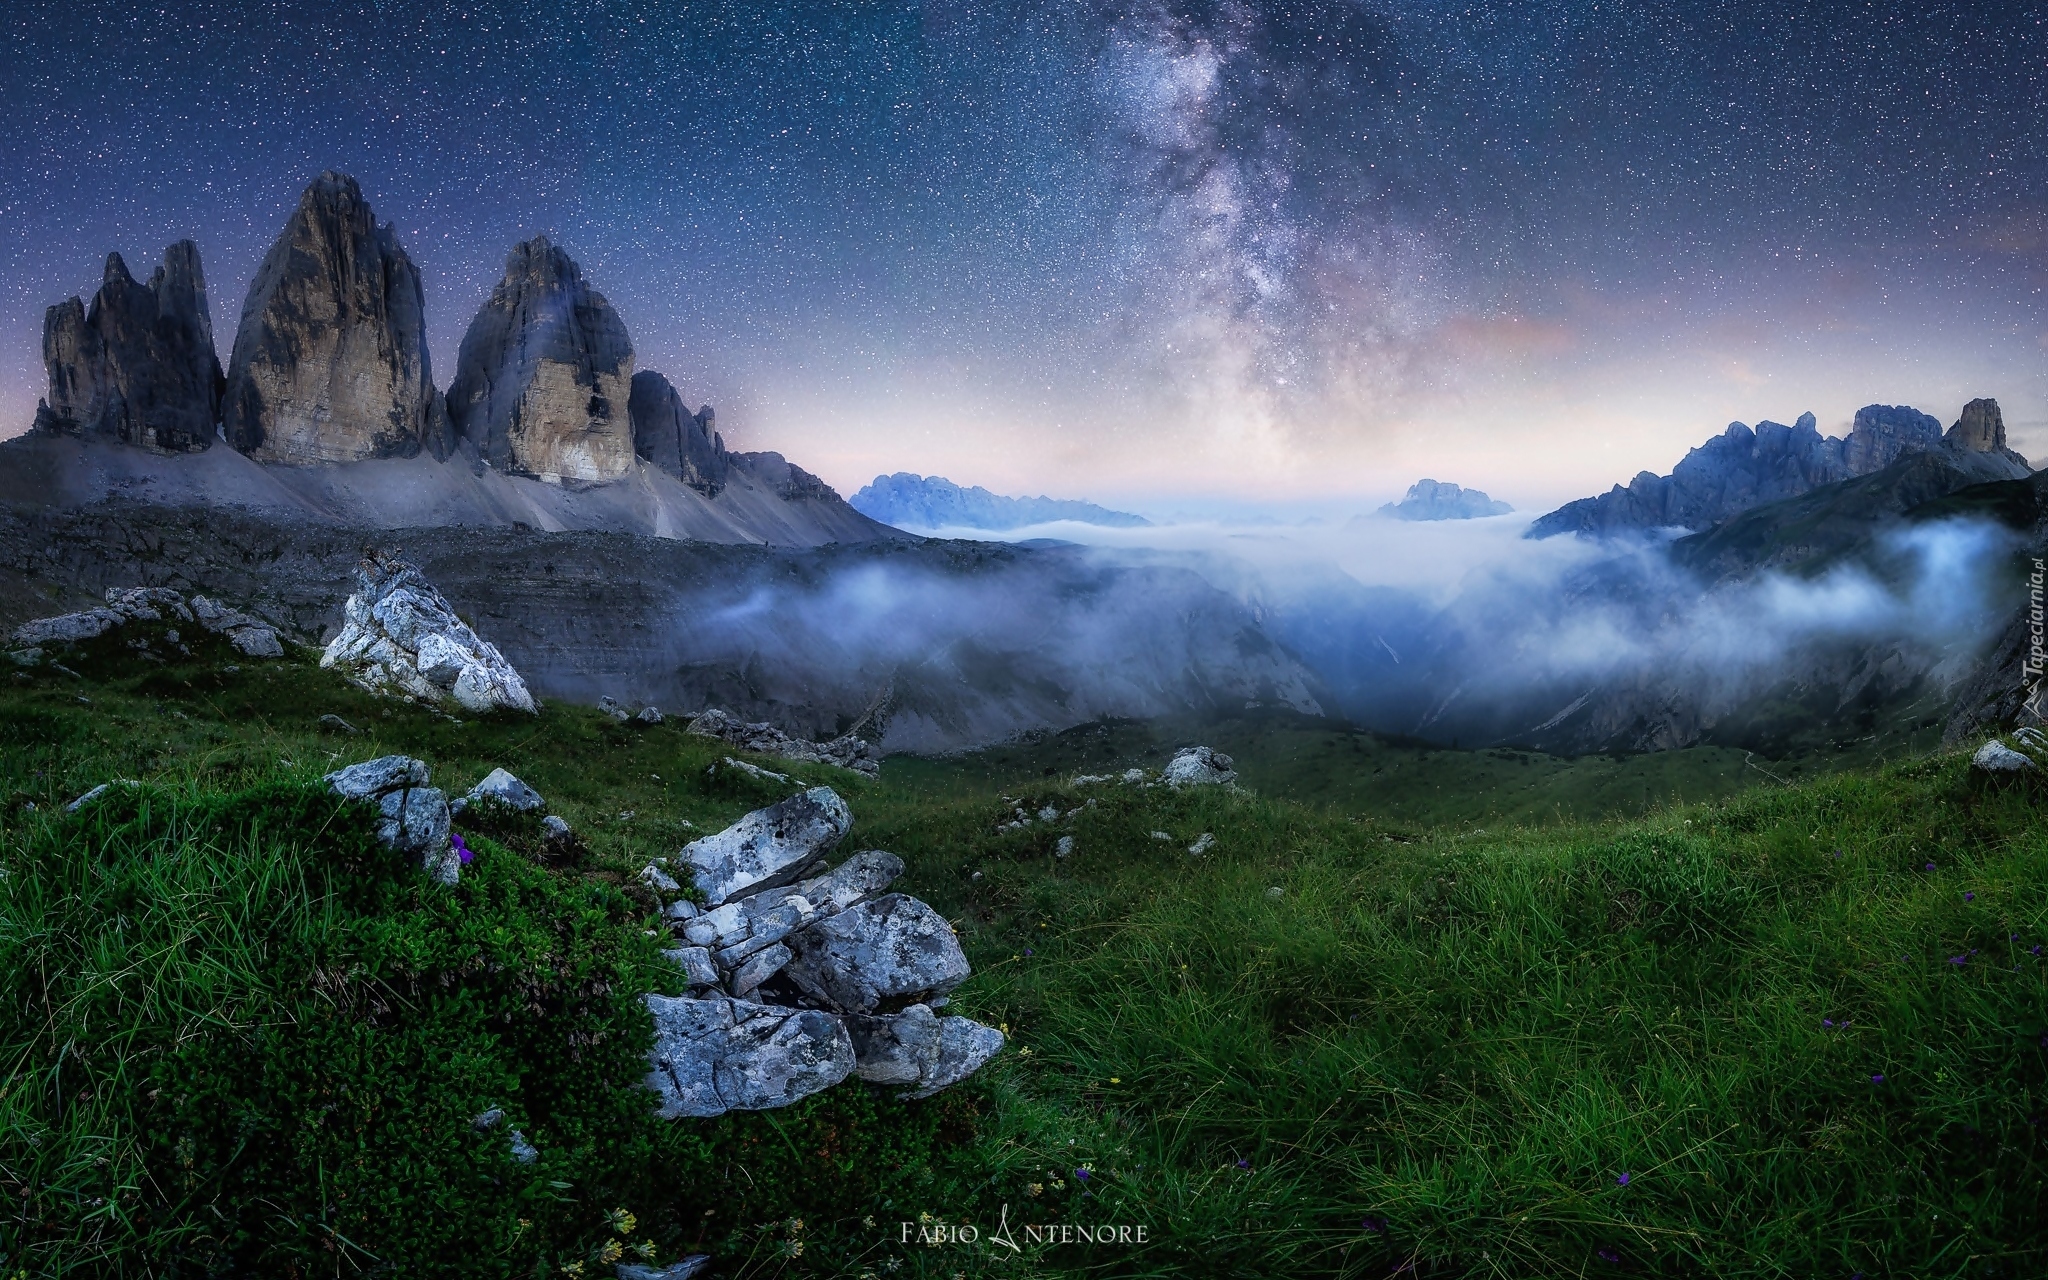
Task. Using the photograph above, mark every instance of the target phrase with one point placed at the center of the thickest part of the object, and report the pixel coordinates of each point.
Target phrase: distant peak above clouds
(1437, 500)
(934, 502)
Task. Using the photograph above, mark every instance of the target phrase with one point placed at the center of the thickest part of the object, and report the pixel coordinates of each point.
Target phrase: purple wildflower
(1244, 1164)
(1930, 866)
(1377, 1226)
(1958, 961)
(2037, 949)
(1083, 1173)
(1878, 1078)
(1029, 952)
(1608, 1255)
(1622, 1181)
(1969, 895)
(462, 851)
(1829, 1023)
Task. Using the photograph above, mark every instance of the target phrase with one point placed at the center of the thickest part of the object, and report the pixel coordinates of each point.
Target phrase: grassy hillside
(1800, 1031)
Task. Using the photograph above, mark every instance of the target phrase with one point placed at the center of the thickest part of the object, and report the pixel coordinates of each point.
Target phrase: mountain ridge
(934, 502)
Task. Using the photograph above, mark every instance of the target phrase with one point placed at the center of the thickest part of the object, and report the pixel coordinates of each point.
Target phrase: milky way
(1119, 249)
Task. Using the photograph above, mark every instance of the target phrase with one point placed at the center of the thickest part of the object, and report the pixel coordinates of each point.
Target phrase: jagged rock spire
(542, 384)
(330, 363)
(140, 365)
(668, 436)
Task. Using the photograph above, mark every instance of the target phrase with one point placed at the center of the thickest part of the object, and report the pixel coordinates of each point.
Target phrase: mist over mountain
(911, 501)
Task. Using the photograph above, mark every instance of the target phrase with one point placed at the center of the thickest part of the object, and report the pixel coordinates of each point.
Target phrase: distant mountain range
(1743, 468)
(328, 410)
(1434, 500)
(910, 501)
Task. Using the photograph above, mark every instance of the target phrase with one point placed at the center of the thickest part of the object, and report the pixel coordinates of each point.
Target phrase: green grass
(1368, 1029)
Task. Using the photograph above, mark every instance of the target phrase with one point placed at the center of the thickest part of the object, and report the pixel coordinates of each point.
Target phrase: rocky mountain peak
(139, 366)
(1980, 429)
(543, 382)
(1441, 500)
(330, 363)
(668, 436)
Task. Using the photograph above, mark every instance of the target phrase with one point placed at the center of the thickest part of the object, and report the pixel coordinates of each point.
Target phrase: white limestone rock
(716, 1055)
(889, 948)
(414, 816)
(500, 786)
(1995, 757)
(919, 1048)
(847, 751)
(1199, 766)
(401, 638)
(768, 847)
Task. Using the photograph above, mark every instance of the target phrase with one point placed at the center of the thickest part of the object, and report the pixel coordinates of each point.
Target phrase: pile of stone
(802, 974)
(127, 606)
(848, 752)
(400, 638)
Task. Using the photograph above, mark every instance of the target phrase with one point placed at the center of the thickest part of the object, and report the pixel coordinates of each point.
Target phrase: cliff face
(542, 384)
(1740, 468)
(669, 437)
(140, 365)
(330, 362)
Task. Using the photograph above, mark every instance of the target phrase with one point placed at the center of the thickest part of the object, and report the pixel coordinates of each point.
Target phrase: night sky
(1153, 254)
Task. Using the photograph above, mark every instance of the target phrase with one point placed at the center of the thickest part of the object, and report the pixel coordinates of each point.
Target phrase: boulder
(846, 751)
(125, 605)
(669, 437)
(400, 637)
(413, 816)
(502, 787)
(889, 949)
(734, 932)
(1199, 766)
(919, 1048)
(330, 363)
(716, 1055)
(695, 962)
(1995, 757)
(543, 380)
(139, 366)
(769, 846)
(686, 1269)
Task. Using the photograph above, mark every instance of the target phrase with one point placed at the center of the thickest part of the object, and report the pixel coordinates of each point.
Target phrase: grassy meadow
(1407, 1012)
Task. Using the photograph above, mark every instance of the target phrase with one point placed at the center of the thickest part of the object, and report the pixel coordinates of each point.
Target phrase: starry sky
(1289, 255)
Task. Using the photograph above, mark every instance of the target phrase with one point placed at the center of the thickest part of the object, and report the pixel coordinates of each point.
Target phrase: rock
(251, 636)
(87, 798)
(846, 751)
(542, 383)
(504, 789)
(1429, 500)
(489, 1120)
(611, 708)
(751, 770)
(758, 968)
(769, 846)
(522, 1150)
(1064, 848)
(695, 962)
(1995, 757)
(668, 436)
(649, 716)
(1203, 843)
(1198, 766)
(890, 948)
(716, 1055)
(1133, 775)
(684, 1270)
(555, 829)
(400, 637)
(414, 816)
(140, 366)
(918, 1048)
(337, 724)
(330, 362)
